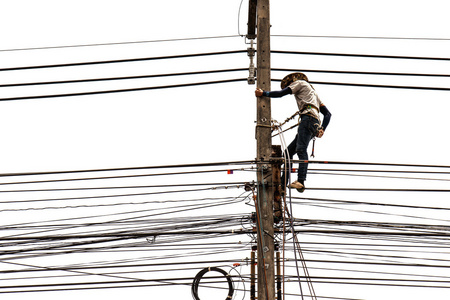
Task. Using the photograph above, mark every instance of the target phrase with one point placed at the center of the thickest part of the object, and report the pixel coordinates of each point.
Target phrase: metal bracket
(251, 70)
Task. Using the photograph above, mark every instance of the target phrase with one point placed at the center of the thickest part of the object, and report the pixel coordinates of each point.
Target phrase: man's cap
(288, 79)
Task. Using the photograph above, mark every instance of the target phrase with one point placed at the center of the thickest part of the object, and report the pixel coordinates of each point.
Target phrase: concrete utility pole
(265, 189)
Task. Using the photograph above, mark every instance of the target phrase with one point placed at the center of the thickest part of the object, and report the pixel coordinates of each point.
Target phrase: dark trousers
(307, 129)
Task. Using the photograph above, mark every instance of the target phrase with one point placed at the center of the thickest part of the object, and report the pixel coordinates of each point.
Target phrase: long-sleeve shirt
(308, 101)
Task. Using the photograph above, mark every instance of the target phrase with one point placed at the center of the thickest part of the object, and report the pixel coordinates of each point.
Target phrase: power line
(376, 85)
(221, 37)
(241, 162)
(123, 90)
(378, 189)
(218, 53)
(206, 83)
(119, 176)
(382, 86)
(216, 72)
(217, 184)
(360, 55)
(126, 60)
(192, 165)
(122, 78)
(360, 72)
(118, 43)
(369, 203)
(362, 37)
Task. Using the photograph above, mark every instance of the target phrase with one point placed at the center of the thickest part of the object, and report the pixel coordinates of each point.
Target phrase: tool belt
(306, 107)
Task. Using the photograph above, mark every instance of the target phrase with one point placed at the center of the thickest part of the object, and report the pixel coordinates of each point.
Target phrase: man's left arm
(326, 120)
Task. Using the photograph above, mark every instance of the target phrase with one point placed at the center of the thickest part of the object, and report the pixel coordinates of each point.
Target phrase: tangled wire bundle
(199, 276)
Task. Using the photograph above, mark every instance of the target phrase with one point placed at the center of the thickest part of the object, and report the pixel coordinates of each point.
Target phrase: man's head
(287, 80)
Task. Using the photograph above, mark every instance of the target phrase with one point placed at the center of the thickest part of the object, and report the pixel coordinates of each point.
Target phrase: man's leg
(306, 131)
(288, 154)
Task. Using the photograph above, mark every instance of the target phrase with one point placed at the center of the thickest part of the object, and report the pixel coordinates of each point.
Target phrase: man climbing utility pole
(265, 192)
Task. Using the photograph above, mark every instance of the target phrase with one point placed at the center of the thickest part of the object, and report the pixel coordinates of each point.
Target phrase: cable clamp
(251, 69)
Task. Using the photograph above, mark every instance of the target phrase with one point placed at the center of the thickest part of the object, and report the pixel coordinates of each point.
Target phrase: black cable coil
(199, 276)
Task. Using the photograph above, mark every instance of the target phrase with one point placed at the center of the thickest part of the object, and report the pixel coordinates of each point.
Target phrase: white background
(215, 123)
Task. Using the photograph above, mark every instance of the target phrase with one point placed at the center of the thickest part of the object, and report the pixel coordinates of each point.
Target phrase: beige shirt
(308, 101)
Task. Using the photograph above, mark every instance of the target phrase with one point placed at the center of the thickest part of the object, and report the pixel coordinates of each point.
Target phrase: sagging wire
(287, 181)
(260, 241)
(283, 144)
(233, 268)
(296, 243)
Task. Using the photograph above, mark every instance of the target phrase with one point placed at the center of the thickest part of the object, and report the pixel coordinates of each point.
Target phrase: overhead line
(212, 164)
(118, 177)
(215, 72)
(206, 83)
(121, 78)
(369, 203)
(360, 55)
(362, 37)
(220, 37)
(123, 90)
(381, 171)
(328, 162)
(330, 281)
(193, 165)
(126, 60)
(378, 85)
(137, 235)
(98, 205)
(360, 72)
(127, 187)
(378, 189)
(376, 176)
(105, 196)
(117, 43)
(114, 266)
(217, 53)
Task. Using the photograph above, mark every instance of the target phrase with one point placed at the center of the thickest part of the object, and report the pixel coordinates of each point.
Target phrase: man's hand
(320, 133)
(258, 92)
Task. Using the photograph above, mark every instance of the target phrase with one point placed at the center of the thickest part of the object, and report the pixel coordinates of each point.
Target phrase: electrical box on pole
(251, 25)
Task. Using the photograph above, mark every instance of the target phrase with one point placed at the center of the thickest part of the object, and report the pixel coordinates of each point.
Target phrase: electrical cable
(216, 184)
(286, 159)
(376, 85)
(213, 54)
(198, 277)
(370, 203)
(176, 247)
(194, 165)
(376, 176)
(125, 60)
(287, 168)
(121, 78)
(360, 55)
(214, 164)
(360, 72)
(149, 88)
(361, 37)
(118, 43)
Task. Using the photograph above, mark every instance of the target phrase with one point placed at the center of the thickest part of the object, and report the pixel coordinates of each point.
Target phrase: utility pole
(265, 188)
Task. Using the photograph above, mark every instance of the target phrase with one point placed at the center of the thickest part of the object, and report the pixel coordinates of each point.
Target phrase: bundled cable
(199, 276)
